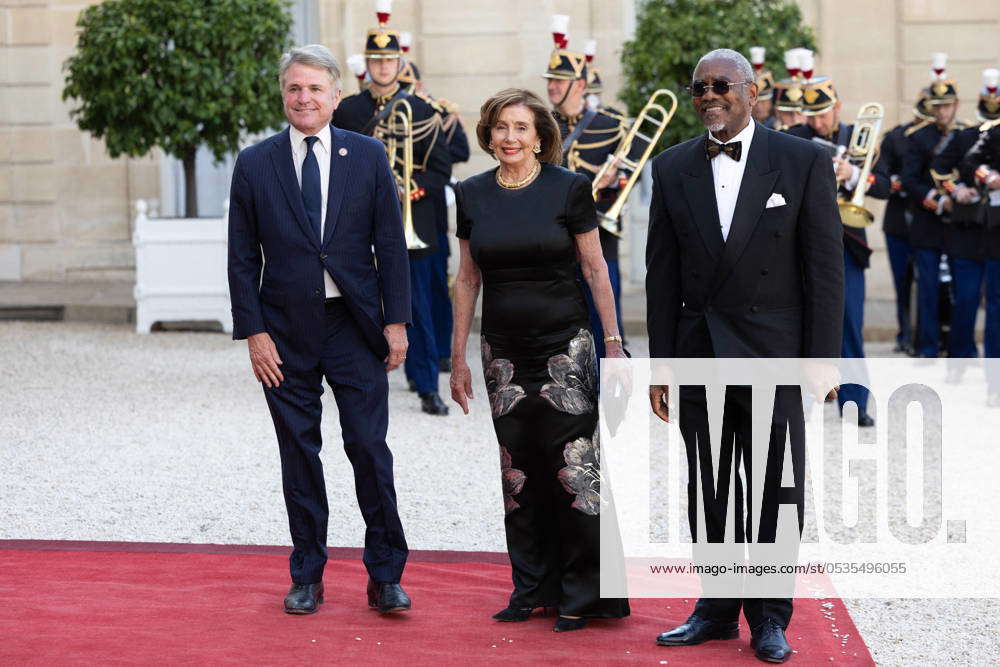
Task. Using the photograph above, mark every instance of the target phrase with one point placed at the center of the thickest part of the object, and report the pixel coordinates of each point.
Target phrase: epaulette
(433, 103)
(989, 125)
(916, 126)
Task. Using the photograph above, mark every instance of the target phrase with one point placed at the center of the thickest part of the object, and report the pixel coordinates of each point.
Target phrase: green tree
(671, 35)
(178, 74)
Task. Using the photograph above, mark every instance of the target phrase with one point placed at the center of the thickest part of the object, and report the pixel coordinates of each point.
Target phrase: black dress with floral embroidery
(538, 358)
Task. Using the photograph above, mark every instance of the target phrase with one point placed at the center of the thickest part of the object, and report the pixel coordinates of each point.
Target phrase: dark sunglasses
(699, 88)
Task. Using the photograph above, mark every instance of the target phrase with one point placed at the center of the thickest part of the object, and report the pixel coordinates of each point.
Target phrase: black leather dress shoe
(564, 624)
(696, 630)
(865, 420)
(304, 598)
(432, 404)
(769, 643)
(513, 614)
(387, 598)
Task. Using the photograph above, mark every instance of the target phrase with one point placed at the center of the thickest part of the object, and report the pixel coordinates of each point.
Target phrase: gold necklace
(520, 184)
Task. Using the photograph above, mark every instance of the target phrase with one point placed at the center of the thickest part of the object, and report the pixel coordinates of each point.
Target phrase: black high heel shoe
(513, 614)
(564, 624)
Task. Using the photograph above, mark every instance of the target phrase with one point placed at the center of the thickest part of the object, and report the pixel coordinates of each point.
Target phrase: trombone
(863, 142)
(400, 125)
(655, 114)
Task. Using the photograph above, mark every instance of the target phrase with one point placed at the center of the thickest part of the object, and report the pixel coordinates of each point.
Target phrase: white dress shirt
(727, 174)
(322, 150)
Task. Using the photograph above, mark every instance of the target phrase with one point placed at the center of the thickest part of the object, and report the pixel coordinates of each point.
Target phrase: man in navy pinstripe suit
(319, 283)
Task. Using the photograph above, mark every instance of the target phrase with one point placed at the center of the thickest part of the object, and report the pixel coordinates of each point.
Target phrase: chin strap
(566, 94)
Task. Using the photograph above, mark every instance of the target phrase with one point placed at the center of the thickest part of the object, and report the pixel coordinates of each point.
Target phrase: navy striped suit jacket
(276, 262)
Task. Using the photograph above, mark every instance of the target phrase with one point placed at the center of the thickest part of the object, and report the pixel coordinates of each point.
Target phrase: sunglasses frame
(729, 84)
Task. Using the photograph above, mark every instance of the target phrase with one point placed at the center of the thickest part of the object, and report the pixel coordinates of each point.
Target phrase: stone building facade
(66, 206)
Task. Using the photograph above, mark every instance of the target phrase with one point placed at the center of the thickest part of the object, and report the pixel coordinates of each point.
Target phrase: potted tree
(177, 75)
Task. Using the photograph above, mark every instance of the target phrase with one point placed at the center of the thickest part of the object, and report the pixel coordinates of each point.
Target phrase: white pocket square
(775, 200)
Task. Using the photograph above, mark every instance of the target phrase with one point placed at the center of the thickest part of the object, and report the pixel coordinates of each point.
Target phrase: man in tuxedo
(332, 300)
(744, 259)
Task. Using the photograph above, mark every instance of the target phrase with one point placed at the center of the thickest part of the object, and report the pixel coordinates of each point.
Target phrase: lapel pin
(343, 152)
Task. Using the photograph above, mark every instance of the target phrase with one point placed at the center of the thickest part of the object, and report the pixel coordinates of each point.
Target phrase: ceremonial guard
(589, 136)
(821, 107)
(356, 63)
(928, 204)
(965, 238)
(457, 142)
(422, 168)
(787, 101)
(595, 86)
(981, 169)
(897, 218)
(409, 73)
(763, 109)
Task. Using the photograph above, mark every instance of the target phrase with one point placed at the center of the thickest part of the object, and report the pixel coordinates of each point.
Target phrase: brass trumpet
(400, 124)
(863, 142)
(653, 114)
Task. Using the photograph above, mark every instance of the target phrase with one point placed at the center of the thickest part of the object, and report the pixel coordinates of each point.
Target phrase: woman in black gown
(522, 228)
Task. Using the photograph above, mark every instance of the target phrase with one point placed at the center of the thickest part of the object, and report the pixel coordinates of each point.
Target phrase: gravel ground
(108, 435)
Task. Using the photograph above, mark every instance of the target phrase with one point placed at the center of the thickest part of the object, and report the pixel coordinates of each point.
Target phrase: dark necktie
(312, 196)
(733, 149)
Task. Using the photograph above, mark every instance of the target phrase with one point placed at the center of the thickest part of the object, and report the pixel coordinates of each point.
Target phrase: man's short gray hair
(310, 55)
(735, 58)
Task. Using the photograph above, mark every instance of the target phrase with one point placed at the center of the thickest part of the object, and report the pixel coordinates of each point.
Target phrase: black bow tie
(733, 149)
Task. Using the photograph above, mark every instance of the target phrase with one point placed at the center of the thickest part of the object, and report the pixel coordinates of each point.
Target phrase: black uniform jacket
(432, 162)
(855, 238)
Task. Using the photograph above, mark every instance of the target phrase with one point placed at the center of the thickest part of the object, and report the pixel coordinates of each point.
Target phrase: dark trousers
(967, 291)
(614, 274)
(360, 387)
(901, 262)
(440, 300)
(991, 335)
(928, 300)
(736, 428)
(852, 344)
(422, 357)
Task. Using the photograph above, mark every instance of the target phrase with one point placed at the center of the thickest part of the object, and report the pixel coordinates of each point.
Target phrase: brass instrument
(864, 141)
(655, 114)
(400, 128)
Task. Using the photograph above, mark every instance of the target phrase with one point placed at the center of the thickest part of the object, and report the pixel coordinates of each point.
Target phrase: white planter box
(180, 270)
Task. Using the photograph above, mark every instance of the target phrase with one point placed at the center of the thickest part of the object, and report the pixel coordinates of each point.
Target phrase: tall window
(213, 179)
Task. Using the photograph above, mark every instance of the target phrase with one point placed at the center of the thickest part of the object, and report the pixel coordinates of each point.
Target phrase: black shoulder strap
(575, 134)
(384, 113)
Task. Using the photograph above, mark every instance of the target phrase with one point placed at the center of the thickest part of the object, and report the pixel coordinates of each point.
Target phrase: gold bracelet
(612, 339)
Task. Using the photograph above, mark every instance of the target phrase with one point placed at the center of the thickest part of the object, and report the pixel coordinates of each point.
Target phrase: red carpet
(101, 603)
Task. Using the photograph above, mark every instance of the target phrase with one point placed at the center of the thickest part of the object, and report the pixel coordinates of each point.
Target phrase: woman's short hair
(545, 124)
(310, 55)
